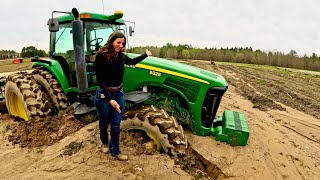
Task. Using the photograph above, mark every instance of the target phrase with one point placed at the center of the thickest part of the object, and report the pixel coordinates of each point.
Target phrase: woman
(109, 100)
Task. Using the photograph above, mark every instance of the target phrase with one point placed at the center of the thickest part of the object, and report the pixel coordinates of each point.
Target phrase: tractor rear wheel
(24, 98)
(159, 126)
(52, 87)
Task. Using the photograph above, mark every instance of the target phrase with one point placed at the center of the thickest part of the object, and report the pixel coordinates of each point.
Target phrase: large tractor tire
(52, 87)
(159, 126)
(24, 98)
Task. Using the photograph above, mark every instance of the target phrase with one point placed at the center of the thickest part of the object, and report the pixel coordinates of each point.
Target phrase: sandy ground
(284, 140)
(282, 144)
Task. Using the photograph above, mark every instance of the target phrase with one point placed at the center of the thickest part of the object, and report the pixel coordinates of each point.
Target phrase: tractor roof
(115, 18)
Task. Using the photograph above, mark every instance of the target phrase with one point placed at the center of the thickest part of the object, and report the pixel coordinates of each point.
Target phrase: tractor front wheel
(159, 126)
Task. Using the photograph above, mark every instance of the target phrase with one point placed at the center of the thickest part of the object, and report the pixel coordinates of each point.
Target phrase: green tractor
(160, 93)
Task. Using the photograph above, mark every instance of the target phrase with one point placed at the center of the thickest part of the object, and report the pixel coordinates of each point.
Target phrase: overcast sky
(269, 25)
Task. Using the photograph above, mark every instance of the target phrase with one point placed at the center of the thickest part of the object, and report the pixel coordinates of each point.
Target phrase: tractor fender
(56, 70)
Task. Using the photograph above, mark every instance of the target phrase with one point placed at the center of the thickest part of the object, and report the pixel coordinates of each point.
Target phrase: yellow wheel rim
(159, 146)
(16, 107)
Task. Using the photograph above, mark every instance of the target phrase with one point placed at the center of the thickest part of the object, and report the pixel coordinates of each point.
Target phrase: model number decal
(155, 73)
(130, 66)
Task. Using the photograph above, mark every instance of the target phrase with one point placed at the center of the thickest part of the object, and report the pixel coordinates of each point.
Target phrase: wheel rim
(159, 146)
(16, 107)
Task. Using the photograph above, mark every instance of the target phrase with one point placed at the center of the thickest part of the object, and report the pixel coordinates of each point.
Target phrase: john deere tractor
(160, 93)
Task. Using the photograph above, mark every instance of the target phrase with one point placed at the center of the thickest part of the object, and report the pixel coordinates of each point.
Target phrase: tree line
(185, 51)
(26, 52)
(8, 54)
(234, 54)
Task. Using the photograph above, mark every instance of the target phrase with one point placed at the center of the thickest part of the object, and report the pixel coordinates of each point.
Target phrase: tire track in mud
(310, 128)
(292, 129)
(303, 122)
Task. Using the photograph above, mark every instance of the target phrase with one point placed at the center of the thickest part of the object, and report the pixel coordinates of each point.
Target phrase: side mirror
(131, 30)
(53, 24)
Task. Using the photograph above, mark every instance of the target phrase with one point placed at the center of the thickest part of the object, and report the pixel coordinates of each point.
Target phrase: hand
(148, 52)
(115, 105)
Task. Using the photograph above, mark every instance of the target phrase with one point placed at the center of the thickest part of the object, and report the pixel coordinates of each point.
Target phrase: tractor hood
(181, 70)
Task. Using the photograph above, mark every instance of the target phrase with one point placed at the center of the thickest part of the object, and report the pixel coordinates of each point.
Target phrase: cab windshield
(95, 36)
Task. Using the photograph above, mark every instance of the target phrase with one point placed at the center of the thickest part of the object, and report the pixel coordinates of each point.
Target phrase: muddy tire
(24, 98)
(52, 87)
(159, 126)
(3, 108)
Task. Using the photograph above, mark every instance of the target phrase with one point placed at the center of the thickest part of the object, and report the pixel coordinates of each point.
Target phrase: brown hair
(108, 50)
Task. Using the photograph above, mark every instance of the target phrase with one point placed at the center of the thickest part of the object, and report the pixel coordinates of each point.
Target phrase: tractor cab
(96, 28)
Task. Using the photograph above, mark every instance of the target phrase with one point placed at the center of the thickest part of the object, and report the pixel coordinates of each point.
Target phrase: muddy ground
(281, 107)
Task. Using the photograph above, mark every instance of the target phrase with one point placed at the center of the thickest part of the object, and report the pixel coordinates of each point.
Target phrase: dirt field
(282, 110)
(8, 66)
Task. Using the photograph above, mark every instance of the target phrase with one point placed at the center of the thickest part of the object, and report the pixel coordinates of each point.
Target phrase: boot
(120, 157)
(105, 148)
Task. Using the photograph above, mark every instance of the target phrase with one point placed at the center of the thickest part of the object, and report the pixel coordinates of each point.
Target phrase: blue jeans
(109, 115)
